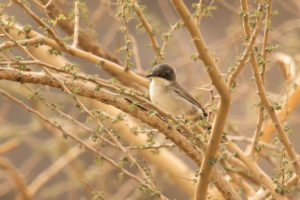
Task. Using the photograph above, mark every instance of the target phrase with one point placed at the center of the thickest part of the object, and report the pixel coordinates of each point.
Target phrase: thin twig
(72, 119)
(149, 31)
(257, 172)
(249, 48)
(127, 40)
(98, 194)
(77, 139)
(53, 8)
(8, 44)
(76, 24)
(271, 111)
(6, 165)
(260, 119)
(9, 145)
(151, 147)
(52, 32)
(266, 39)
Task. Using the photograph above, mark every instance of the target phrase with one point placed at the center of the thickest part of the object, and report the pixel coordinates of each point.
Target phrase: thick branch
(90, 90)
(107, 97)
(218, 81)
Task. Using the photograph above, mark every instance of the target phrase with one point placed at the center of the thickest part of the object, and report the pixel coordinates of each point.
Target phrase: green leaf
(212, 161)
(152, 112)
(27, 28)
(121, 176)
(99, 160)
(100, 63)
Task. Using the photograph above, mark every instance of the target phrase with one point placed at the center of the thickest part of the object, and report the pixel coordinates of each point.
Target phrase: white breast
(168, 100)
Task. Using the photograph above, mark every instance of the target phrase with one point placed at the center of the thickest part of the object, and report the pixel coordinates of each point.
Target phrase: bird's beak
(150, 75)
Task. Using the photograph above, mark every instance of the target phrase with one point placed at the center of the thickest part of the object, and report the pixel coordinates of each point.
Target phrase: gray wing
(185, 94)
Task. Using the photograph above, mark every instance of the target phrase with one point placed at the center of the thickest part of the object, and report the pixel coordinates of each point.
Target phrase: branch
(69, 117)
(6, 165)
(240, 182)
(85, 144)
(249, 48)
(166, 161)
(8, 44)
(293, 100)
(9, 145)
(263, 73)
(114, 139)
(76, 24)
(128, 78)
(127, 39)
(52, 32)
(53, 169)
(271, 111)
(223, 107)
(149, 31)
(266, 38)
(254, 168)
(90, 90)
(84, 40)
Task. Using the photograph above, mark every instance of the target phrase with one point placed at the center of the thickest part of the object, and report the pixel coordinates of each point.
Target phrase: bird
(166, 93)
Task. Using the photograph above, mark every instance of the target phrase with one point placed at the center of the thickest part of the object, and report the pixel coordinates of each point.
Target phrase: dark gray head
(164, 71)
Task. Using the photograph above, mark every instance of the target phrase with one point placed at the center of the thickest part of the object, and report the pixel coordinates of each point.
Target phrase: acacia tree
(102, 133)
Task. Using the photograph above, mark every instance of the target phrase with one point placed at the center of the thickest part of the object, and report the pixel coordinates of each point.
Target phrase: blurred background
(35, 149)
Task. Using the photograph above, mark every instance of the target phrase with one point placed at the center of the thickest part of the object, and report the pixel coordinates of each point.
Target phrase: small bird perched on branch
(170, 96)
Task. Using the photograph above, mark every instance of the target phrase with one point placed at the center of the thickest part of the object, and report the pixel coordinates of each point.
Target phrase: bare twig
(9, 145)
(53, 169)
(76, 24)
(149, 31)
(6, 165)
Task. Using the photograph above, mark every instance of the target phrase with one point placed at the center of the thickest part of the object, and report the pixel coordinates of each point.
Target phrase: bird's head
(163, 71)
